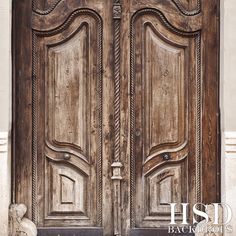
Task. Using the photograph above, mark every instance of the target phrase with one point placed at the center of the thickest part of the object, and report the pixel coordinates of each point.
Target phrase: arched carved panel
(163, 186)
(68, 92)
(164, 88)
(67, 191)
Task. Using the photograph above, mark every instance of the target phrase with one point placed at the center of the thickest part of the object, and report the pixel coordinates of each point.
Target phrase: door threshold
(75, 231)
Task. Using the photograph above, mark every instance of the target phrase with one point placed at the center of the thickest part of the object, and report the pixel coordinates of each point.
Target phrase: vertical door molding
(117, 165)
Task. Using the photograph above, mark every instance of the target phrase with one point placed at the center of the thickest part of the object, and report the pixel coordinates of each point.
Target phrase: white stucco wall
(5, 113)
(228, 105)
(5, 69)
(228, 39)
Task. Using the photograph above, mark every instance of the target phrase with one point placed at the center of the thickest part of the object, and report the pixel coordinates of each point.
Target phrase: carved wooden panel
(45, 6)
(188, 6)
(68, 92)
(163, 105)
(164, 186)
(68, 127)
(164, 115)
(173, 10)
(67, 190)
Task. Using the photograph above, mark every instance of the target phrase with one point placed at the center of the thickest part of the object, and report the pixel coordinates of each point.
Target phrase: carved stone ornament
(19, 225)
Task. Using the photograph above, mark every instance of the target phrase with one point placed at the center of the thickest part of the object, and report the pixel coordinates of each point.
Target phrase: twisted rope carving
(34, 132)
(116, 164)
(100, 91)
(132, 126)
(117, 88)
(198, 121)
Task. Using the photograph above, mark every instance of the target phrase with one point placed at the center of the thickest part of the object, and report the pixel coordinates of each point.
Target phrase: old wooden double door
(115, 112)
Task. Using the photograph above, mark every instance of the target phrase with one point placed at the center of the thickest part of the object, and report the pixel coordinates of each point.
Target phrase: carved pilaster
(18, 224)
(116, 166)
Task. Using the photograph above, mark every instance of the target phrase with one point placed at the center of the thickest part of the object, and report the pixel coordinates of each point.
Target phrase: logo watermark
(214, 218)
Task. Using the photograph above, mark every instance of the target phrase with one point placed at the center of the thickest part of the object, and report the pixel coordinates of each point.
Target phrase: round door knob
(67, 156)
(166, 156)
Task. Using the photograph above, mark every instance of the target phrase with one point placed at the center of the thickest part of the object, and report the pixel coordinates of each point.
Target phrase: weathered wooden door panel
(68, 117)
(61, 181)
(169, 92)
(165, 110)
(116, 112)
